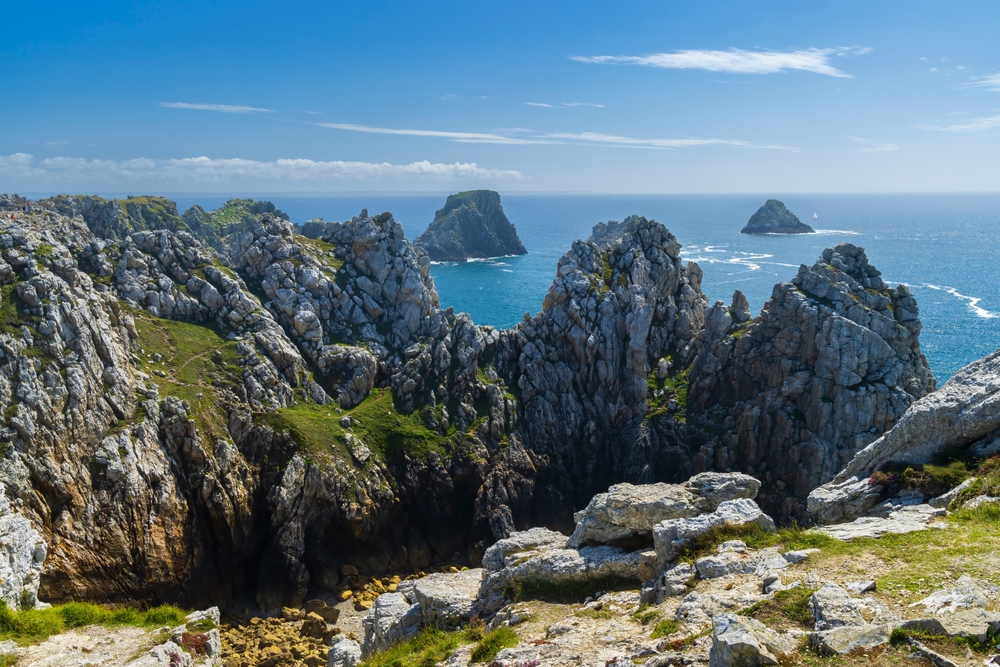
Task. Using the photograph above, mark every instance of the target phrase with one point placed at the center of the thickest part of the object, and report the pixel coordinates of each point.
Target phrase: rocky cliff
(774, 218)
(187, 417)
(470, 225)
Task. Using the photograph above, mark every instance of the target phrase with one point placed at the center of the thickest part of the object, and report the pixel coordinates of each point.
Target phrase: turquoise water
(945, 247)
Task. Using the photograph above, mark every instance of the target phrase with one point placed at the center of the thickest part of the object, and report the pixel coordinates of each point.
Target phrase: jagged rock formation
(22, 552)
(774, 218)
(830, 364)
(963, 415)
(470, 225)
(254, 408)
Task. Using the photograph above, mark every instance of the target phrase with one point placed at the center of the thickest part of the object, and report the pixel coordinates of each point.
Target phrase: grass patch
(792, 538)
(492, 643)
(196, 359)
(30, 626)
(597, 614)
(322, 251)
(375, 421)
(664, 628)
(676, 385)
(424, 650)
(789, 606)
(645, 615)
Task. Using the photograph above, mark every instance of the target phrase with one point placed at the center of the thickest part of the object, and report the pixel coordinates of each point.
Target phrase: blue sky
(517, 96)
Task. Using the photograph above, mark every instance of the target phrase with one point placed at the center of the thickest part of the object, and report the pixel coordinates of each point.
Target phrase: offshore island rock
(774, 218)
(471, 225)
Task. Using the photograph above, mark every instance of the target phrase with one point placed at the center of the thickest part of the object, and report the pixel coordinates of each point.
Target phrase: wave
(837, 231)
(971, 301)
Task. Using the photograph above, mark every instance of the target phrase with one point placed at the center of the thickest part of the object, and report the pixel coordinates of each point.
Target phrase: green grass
(664, 628)
(30, 626)
(791, 538)
(322, 251)
(789, 606)
(597, 614)
(424, 650)
(492, 643)
(676, 383)
(194, 357)
(645, 615)
(375, 421)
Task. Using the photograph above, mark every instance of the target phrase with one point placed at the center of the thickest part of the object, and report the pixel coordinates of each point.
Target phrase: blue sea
(946, 247)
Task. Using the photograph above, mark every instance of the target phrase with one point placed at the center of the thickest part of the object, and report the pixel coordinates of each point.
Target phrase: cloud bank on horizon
(23, 169)
(737, 61)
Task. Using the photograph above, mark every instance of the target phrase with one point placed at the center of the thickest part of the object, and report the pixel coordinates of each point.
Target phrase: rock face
(963, 414)
(22, 552)
(471, 225)
(831, 363)
(774, 218)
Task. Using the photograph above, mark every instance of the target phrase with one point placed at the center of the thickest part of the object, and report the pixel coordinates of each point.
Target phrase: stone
(22, 553)
(967, 593)
(922, 651)
(774, 218)
(973, 503)
(862, 586)
(794, 557)
(946, 499)
(447, 600)
(905, 520)
(972, 622)
(833, 607)
(344, 653)
(733, 561)
(390, 620)
(849, 639)
(672, 535)
(628, 512)
(470, 225)
(739, 641)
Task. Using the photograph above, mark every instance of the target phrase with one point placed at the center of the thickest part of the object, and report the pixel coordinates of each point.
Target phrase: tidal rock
(628, 512)
(740, 641)
(471, 225)
(774, 218)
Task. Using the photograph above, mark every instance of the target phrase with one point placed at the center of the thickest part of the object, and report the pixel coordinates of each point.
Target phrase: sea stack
(774, 218)
(470, 225)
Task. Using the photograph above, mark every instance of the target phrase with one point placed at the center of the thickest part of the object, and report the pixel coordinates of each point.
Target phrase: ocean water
(945, 247)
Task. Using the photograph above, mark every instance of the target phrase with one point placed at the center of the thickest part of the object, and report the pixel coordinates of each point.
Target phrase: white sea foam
(971, 301)
(837, 231)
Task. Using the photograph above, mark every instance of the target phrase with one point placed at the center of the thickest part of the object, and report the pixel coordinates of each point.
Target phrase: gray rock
(447, 600)
(968, 622)
(470, 225)
(774, 218)
(846, 640)
(629, 512)
(905, 520)
(833, 607)
(672, 535)
(967, 593)
(922, 651)
(390, 620)
(946, 499)
(973, 503)
(739, 641)
(859, 587)
(22, 553)
(344, 653)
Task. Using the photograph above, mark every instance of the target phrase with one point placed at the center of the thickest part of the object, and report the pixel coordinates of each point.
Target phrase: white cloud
(450, 97)
(580, 138)
(24, 169)
(975, 125)
(989, 82)
(875, 147)
(460, 137)
(223, 108)
(61, 142)
(737, 60)
(562, 105)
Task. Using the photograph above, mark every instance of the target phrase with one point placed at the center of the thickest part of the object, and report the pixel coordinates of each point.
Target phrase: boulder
(740, 641)
(733, 558)
(447, 600)
(675, 534)
(539, 559)
(345, 653)
(627, 512)
(833, 607)
(390, 620)
(848, 639)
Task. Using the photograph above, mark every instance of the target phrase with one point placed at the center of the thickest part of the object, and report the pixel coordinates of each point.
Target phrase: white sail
(815, 216)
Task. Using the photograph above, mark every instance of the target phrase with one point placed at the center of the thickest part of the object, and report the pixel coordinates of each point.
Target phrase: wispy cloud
(223, 108)
(989, 82)
(874, 146)
(313, 113)
(450, 97)
(564, 105)
(460, 137)
(737, 60)
(24, 168)
(529, 137)
(61, 142)
(983, 124)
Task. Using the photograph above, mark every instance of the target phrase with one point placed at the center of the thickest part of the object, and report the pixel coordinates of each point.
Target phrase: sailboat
(815, 216)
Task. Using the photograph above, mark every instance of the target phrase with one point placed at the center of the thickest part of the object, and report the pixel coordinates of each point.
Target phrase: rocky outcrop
(831, 363)
(963, 415)
(738, 640)
(470, 225)
(22, 552)
(774, 218)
